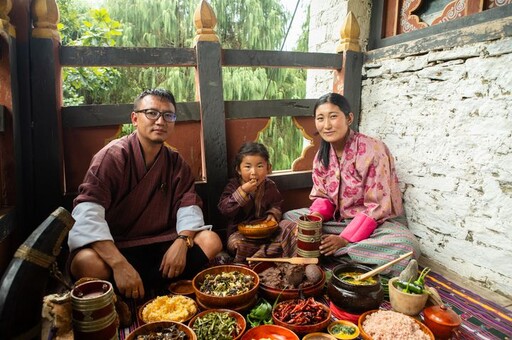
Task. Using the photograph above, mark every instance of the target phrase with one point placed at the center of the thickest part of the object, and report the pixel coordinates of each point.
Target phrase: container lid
(442, 315)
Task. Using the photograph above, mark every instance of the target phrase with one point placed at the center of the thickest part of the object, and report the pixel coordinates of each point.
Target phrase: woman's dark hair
(250, 148)
(341, 102)
(161, 93)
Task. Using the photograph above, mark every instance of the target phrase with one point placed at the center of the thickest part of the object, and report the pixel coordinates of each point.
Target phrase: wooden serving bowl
(273, 332)
(238, 302)
(271, 293)
(158, 326)
(303, 329)
(184, 319)
(366, 336)
(406, 303)
(240, 320)
(182, 287)
(259, 229)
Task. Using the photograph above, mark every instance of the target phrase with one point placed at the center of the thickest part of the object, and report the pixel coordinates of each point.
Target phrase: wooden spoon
(292, 260)
(381, 268)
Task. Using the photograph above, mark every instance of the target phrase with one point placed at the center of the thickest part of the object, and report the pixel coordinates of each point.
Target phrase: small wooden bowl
(406, 303)
(273, 332)
(240, 320)
(235, 302)
(184, 320)
(158, 326)
(258, 229)
(303, 329)
(182, 287)
(366, 336)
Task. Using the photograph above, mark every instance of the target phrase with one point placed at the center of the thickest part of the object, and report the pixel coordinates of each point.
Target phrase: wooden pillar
(9, 139)
(45, 98)
(348, 80)
(211, 102)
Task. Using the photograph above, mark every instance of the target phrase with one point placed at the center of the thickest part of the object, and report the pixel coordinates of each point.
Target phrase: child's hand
(250, 186)
(271, 217)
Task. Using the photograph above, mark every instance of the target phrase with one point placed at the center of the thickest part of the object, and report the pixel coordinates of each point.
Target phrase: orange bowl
(169, 306)
(240, 321)
(238, 302)
(259, 229)
(301, 328)
(273, 332)
(271, 293)
(391, 331)
(154, 327)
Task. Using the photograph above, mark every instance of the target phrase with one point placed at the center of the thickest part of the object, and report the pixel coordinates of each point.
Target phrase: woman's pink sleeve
(324, 207)
(360, 228)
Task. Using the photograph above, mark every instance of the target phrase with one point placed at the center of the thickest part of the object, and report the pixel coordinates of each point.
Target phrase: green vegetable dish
(216, 325)
(261, 314)
(227, 284)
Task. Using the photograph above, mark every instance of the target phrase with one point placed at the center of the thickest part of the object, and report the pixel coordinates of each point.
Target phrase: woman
(355, 192)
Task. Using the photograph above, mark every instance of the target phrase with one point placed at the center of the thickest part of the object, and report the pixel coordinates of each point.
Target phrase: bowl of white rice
(391, 325)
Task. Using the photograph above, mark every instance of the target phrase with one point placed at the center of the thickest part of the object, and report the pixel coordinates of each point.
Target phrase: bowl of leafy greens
(218, 324)
(260, 314)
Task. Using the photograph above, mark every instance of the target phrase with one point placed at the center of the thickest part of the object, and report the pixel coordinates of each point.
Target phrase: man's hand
(175, 259)
(331, 243)
(128, 280)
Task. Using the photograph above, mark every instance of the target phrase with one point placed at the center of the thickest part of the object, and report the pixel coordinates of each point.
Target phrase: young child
(252, 196)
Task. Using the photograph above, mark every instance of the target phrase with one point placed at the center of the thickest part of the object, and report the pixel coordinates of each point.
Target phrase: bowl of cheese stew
(224, 286)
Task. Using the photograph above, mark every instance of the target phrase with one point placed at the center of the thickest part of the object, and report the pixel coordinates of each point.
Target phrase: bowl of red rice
(387, 324)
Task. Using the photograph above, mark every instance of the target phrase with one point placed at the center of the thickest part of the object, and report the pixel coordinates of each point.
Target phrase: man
(138, 218)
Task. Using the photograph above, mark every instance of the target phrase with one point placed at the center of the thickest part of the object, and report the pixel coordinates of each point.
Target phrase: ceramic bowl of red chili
(302, 316)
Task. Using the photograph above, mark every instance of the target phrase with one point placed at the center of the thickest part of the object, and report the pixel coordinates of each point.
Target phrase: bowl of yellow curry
(351, 295)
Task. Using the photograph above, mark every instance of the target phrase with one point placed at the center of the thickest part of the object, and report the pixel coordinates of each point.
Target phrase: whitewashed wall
(446, 115)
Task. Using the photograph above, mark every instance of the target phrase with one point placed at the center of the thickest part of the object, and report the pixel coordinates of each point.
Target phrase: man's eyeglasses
(151, 114)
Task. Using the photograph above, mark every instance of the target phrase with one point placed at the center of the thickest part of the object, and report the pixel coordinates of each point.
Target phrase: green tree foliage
(79, 27)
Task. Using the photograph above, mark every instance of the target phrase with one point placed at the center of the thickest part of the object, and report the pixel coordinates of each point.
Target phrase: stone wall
(446, 115)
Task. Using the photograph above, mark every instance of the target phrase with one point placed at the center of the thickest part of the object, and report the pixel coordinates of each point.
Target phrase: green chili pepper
(416, 287)
(421, 279)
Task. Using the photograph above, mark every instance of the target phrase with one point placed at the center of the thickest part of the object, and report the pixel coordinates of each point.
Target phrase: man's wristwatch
(187, 239)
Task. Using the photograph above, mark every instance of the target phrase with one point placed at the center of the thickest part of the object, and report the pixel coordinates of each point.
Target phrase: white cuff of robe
(90, 225)
(190, 218)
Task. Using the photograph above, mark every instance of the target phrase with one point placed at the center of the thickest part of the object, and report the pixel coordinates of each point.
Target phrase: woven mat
(481, 318)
